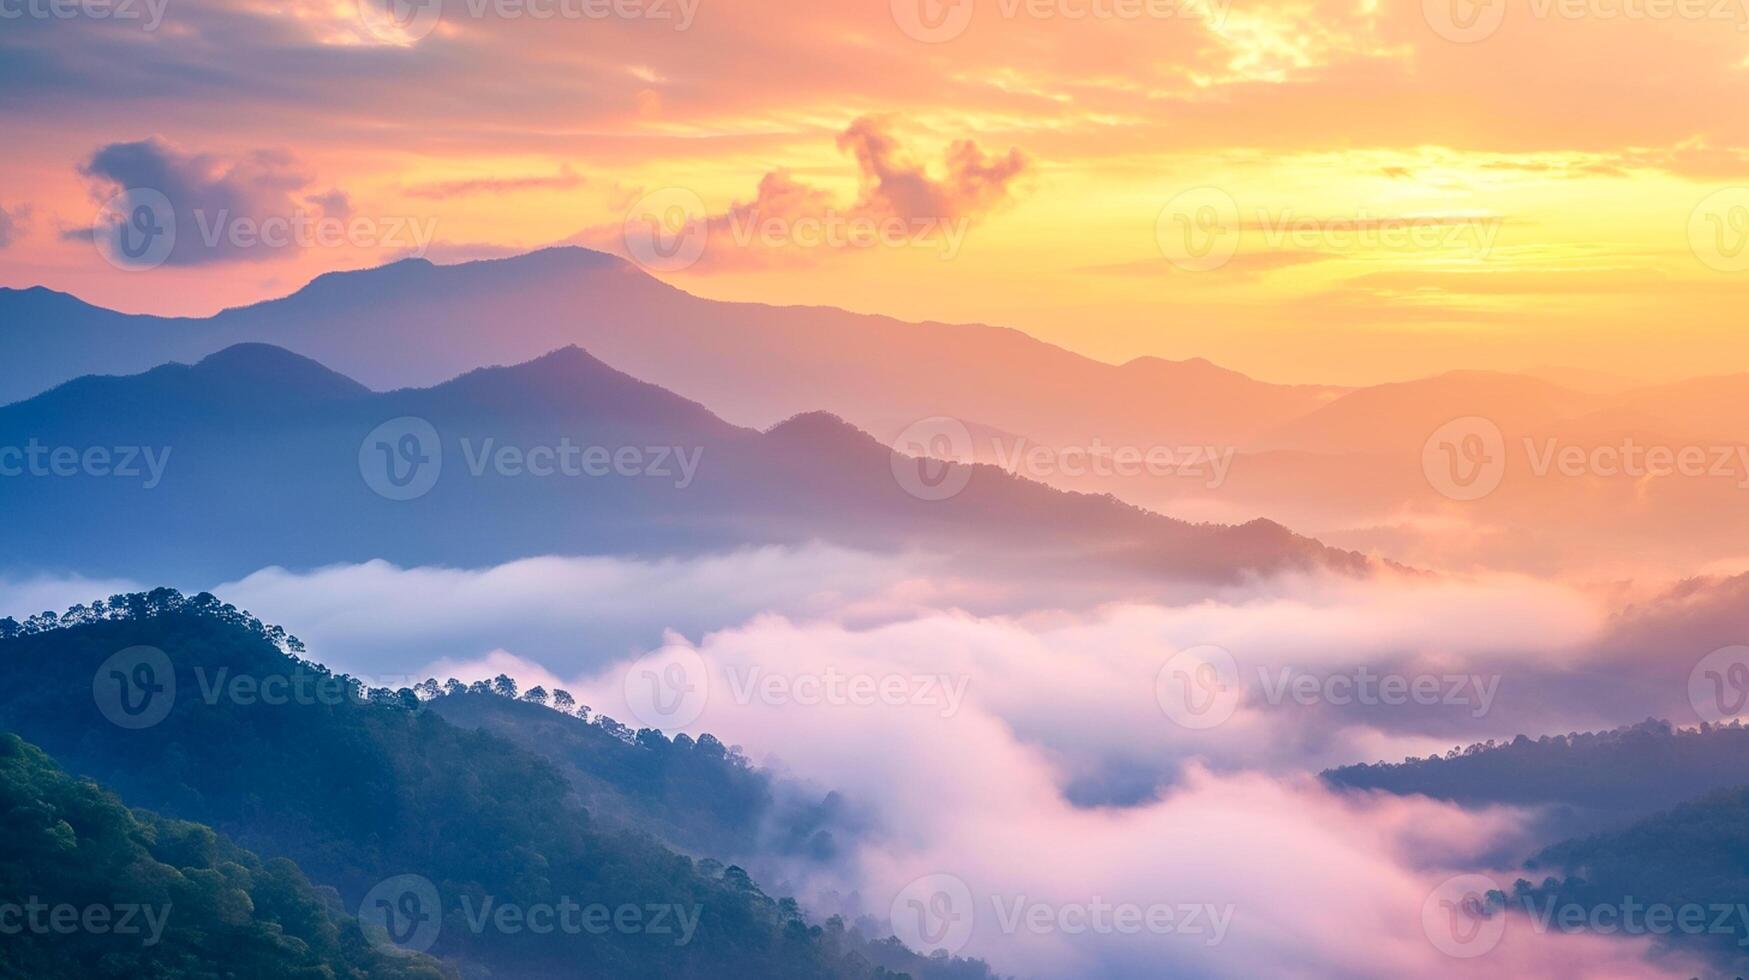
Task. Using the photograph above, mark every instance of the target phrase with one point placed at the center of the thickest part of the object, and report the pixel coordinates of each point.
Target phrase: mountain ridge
(700, 484)
(414, 323)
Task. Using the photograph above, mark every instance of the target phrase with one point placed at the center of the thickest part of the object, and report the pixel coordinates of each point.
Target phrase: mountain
(213, 717)
(1714, 407)
(1689, 863)
(1581, 379)
(1345, 466)
(694, 795)
(1399, 417)
(176, 899)
(257, 457)
(1642, 816)
(413, 323)
(1590, 779)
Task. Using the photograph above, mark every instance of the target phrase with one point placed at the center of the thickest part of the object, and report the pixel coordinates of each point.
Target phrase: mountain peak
(811, 423)
(570, 355)
(252, 355)
(1195, 367)
(820, 429)
(571, 380)
(275, 369)
(39, 301)
(415, 279)
(564, 255)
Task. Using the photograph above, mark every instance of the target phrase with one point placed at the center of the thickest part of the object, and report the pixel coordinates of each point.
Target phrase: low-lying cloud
(1026, 752)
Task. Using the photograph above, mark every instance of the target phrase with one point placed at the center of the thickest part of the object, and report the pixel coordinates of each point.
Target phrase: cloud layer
(1030, 752)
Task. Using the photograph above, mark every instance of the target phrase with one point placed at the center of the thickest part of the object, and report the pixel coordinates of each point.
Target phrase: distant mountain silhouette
(1340, 464)
(268, 458)
(1689, 861)
(1643, 815)
(1588, 780)
(1400, 416)
(413, 323)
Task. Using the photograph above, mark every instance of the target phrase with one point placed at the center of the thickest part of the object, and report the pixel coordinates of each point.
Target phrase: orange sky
(1343, 192)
